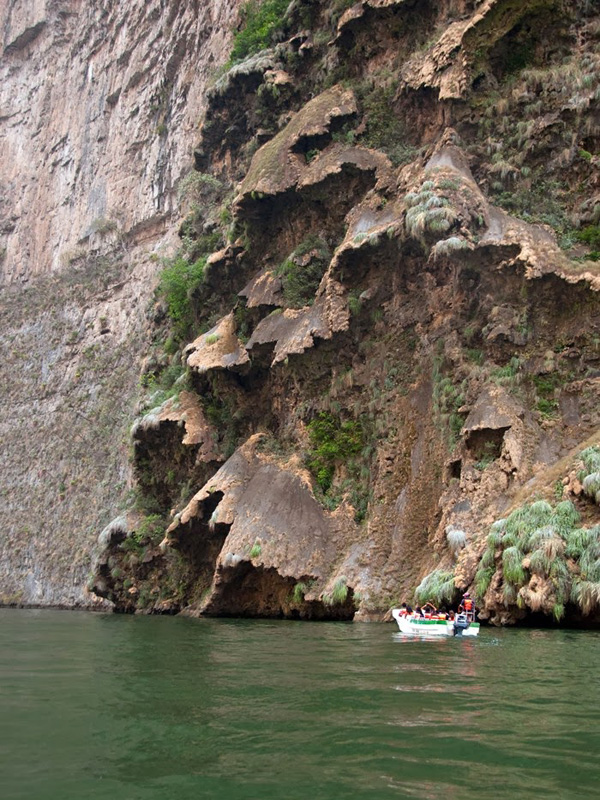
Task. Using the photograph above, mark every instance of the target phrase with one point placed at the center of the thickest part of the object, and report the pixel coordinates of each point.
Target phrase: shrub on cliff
(332, 442)
(302, 271)
(178, 280)
(260, 23)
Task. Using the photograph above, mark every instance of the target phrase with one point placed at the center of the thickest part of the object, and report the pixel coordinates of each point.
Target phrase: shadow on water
(103, 706)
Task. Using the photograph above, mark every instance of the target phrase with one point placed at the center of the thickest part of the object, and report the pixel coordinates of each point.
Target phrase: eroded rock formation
(394, 342)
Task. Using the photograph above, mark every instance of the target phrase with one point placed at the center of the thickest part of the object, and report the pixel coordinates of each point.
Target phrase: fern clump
(512, 567)
(437, 587)
(538, 537)
(586, 595)
(300, 589)
(483, 578)
(591, 459)
(540, 564)
(591, 486)
(565, 517)
(542, 540)
(496, 533)
(509, 594)
(445, 247)
(339, 593)
(430, 213)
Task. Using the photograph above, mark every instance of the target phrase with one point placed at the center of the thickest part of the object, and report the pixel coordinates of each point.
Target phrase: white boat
(415, 625)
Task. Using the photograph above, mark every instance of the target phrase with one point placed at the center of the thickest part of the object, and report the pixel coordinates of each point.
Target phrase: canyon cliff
(373, 358)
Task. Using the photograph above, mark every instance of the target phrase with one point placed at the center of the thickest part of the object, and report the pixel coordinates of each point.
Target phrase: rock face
(91, 98)
(98, 110)
(393, 343)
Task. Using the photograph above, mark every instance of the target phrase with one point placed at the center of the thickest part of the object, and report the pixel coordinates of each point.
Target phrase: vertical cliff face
(91, 97)
(377, 336)
(392, 344)
(99, 104)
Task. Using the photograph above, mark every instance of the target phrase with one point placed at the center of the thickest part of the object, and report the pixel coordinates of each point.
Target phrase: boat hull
(419, 626)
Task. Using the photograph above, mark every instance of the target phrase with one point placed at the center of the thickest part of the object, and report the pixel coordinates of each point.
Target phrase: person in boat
(467, 606)
(419, 611)
(405, 610)
(429, 608)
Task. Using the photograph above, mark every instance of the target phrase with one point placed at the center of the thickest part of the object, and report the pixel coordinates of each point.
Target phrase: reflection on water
(95, 706)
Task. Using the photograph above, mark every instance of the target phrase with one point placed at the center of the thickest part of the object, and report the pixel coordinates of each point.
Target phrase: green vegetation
(590, 474)
(256, 549)
(456, 539)
(447, 399)
(339, 458)
(332, 443)
(545, 387)
(223, 415)
(338, 8)
(150, 530)
(429, 213)
(488, 455)
(384, 129)
(182, 279)
(178, 280)
(103, 225)
(512, 570)
(302, 271)
(163, 384)
(438, 587)
(261, 22)
(300, 589)
(544, 541)
(446, 247)
(506, 375)
(199, 186)
(339, 593)
(514, 127)
(590, 235)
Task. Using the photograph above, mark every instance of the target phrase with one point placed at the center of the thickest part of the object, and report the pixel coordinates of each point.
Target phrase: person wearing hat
(467, 606)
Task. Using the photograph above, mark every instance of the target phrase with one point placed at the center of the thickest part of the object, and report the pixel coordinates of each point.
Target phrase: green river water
(107, 707)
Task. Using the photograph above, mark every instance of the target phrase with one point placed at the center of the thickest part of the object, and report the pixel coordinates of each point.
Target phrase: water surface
(107, 707)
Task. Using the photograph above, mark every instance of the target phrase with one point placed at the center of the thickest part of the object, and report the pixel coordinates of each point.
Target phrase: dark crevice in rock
(248, 591)
(163, 465)
(485, 444)
(200, 542)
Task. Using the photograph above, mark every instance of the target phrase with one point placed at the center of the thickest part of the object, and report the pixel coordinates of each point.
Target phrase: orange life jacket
(468, 604)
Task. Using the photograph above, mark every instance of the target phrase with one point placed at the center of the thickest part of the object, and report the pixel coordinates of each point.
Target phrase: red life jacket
(468, 604)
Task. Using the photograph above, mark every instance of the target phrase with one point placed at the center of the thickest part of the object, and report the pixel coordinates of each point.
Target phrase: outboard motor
(461, 623)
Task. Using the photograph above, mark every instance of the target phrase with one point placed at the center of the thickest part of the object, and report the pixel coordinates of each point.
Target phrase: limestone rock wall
(99, 106)
(395, 334)
(99, 103)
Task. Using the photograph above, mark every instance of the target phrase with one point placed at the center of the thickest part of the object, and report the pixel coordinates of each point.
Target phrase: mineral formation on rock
(370, 370)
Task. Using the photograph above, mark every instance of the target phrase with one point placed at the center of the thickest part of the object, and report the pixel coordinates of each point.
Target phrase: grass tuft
(437, 587)
(339, 593)
(512, 568)
(256, 549)
(456, 539)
